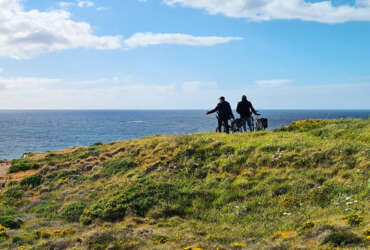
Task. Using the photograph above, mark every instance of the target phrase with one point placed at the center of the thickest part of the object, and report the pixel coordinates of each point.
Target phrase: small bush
(353, 219)
(73, 211)
(308, 225)
(280, 189)
(10, 222)
(138, 198)
(115, 166)
(322, 196)
(14, 192)
(342, 238)
(22, 165)
(100, 240)
(66, 174)
(47, 209)
(17, 240)
(32, 181)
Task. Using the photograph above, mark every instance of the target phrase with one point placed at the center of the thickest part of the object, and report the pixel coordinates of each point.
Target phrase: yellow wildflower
(238, 245)
(132, 243)
(193, 248)
(282, 235)
(221, 248)
(3, 231)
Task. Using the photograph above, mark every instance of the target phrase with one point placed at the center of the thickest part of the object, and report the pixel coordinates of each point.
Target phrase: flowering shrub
(304, 124)
(367, 236)
(63, 180)
(3, 231)
(353, 220)
(10, 222)
(129, 245)
(308, 225)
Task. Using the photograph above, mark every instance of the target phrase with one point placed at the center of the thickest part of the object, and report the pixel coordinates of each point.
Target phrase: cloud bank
(265, 10)
(124, 93)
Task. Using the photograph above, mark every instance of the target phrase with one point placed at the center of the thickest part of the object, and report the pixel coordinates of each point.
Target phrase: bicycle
(235, 127)
(259, 123)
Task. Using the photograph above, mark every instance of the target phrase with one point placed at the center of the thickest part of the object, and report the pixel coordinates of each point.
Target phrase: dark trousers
(224, 122)
(249, 120)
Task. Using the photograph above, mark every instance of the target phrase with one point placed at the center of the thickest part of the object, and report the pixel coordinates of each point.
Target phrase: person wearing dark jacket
(224, 113)
(245, 110)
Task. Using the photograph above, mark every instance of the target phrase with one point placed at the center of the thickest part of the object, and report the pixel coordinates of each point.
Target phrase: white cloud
(264, 10)
(24, 34)
(272, 83)
(82, 4)
(196, 86)
(101, 8)
(26, 82)
(65, 4)
(147, 39)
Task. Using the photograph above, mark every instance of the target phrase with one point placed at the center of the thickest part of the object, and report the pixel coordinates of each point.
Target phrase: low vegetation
(304, 186)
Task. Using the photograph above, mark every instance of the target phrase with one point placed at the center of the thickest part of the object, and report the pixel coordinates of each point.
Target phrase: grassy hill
(305, 186)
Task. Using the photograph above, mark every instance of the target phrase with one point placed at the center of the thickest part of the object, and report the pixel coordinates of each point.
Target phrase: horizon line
(201, 109)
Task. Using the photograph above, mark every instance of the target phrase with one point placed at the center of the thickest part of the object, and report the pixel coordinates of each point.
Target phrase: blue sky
(184, 54)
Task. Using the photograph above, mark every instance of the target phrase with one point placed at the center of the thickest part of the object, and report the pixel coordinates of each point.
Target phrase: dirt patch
(21, 175)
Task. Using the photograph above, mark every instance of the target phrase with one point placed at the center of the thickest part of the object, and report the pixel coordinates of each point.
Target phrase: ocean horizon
(44, 130)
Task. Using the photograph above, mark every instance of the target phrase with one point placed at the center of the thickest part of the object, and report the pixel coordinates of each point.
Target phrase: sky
(184, 54)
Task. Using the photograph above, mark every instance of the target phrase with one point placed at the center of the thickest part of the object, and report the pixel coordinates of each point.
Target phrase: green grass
(304, 186)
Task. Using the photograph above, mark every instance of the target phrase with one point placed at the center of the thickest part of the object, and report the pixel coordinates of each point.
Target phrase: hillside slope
(306, 186)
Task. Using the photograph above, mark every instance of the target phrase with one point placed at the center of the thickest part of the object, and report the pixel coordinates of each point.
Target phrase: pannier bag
(264, 122)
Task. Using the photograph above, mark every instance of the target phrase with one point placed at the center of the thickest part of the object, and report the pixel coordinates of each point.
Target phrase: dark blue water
(41, 131)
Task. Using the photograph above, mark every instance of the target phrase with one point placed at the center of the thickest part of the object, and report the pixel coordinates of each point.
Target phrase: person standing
(245, 110)
(224, 113)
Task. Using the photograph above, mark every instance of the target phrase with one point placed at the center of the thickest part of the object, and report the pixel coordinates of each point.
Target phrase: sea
(48, 130)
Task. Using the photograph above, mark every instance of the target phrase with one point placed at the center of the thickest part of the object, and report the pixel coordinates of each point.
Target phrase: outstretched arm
(212, 111)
